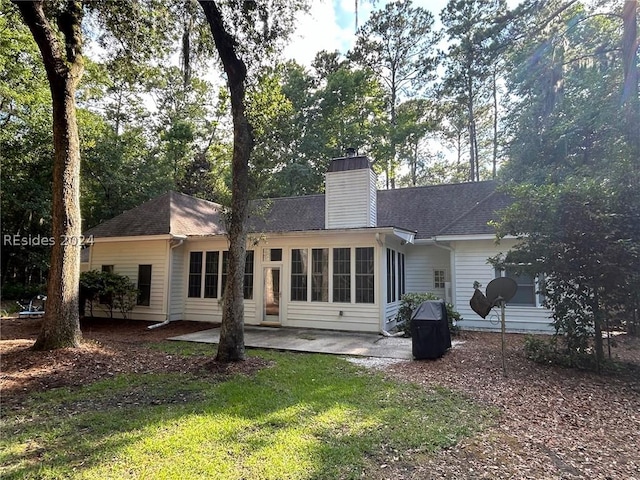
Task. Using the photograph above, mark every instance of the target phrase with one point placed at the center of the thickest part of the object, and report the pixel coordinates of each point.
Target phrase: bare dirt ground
(551, 423)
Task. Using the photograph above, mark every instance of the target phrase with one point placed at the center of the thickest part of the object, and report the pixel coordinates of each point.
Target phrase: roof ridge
(171, 192)
(288, 197)
(439, 185)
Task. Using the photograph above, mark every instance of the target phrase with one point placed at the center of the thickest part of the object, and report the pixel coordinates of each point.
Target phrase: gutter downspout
(452, 254)
(170, 272)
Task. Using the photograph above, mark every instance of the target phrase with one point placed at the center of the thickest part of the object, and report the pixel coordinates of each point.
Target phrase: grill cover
(430, 333)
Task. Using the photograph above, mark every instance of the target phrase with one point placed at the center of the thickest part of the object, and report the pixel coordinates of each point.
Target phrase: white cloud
(318, 30)
(330, 25)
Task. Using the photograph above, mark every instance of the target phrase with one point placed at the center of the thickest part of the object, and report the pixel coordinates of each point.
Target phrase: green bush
(110, 290)
(559, 350)
(410, 301)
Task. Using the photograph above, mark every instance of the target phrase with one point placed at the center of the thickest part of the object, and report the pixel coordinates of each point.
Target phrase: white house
(339, 261)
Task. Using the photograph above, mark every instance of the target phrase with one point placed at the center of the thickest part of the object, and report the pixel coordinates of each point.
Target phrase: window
(272, 255)
(195, 275)
(144, 285)
(299, 263)
(320, 275)
(212, 261)
(526, 293)
(396, 283)
(365, 285)
(401, 275)
(225, 271)
(248, 276)
(215, 274)
(389, 283)
(393, 275)
(342, 275)
(438, 278)
(107, 268)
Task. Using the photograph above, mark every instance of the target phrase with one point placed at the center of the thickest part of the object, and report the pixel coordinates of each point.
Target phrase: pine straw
(552, 423)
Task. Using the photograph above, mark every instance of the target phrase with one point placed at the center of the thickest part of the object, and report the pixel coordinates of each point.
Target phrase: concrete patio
(314, 341)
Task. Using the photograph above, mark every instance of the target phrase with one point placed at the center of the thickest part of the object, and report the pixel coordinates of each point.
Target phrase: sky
(330, 25)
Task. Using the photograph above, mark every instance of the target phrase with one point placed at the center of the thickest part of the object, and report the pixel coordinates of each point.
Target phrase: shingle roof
(452, 209)
(476, 220)
(428, 210)
(171, 213)
(288, 214)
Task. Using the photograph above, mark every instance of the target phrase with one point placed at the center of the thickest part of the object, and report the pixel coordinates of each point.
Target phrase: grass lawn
(303, 417)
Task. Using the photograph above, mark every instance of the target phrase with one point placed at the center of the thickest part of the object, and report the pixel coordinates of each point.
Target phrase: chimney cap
(351, 152)
(349, 163)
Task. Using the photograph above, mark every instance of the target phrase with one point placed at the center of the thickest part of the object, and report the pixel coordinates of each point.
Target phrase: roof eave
(471, 236)
(133, 238)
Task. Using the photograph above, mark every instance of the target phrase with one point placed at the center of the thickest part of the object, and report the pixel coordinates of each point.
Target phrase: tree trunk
(472, 129)
(391, 172)
(631, 78)
(494, 160)
(231, 346)
(64, 66)
(597, 321)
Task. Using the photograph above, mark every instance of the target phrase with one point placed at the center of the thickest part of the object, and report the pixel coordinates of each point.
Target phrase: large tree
(239, 29)
(398, 44)
(56, 28)
(574, 149)
(231, 346)
(573, 103)
(472, 28)
(64, 64)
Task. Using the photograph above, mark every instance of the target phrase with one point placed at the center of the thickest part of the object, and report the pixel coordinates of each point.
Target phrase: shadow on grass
(306, 416)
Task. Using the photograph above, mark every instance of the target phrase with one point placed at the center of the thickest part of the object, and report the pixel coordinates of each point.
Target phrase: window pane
(438, 279)
(365, 287)
(247, 288)
(212, 261)
(342, 275)
(299, 274)
(388, 275)
(225, 271)
(402, 275)
(248, 276)
(195, 274)
(393, 275)
(320, 275)
(144, 284)
(526, 293)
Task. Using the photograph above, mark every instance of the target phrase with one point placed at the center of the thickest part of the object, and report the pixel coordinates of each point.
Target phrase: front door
(271, 295)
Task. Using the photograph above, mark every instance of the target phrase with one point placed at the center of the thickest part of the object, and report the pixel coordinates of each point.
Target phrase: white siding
(355, 317)
(421, 261)
(350, 199)
(125, 258)
(471, 265)
(178, 284)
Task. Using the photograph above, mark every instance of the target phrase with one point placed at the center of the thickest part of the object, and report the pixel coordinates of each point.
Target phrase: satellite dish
(503, 288)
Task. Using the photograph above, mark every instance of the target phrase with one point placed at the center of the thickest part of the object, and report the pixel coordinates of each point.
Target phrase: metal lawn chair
(34, 309)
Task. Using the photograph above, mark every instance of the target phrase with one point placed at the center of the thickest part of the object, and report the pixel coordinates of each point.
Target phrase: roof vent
(351, 152)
